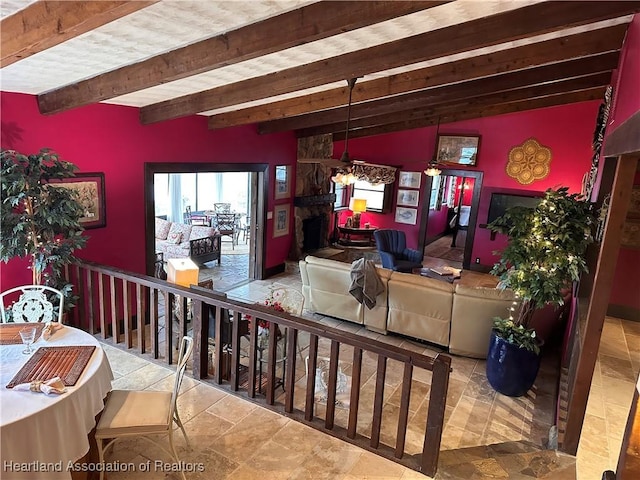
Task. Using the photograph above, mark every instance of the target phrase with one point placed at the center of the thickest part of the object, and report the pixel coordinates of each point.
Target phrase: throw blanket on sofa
(365, 283)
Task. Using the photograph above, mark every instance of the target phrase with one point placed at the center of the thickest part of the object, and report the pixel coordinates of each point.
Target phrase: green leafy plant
(40, 220)
(545, 253)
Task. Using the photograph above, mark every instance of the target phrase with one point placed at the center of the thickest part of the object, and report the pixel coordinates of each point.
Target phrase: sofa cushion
(472, 318)
(420, 307)
(162, 228)
(326, 289)
(181, 228)
(201, 232)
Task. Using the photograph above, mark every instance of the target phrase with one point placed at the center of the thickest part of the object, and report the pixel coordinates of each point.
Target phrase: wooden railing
(115, 304)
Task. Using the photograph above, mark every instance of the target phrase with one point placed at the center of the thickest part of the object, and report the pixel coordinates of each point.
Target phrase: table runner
(68, 363)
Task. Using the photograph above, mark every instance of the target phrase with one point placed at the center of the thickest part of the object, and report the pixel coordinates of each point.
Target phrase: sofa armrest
(205, 249)
(388, 259)
(413, 255)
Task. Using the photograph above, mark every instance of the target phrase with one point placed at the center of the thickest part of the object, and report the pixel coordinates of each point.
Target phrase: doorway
(250, 259)
(449, 217)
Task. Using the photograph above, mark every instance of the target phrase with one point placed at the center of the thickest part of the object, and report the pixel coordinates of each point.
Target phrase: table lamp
(182, 271)
(357, 206)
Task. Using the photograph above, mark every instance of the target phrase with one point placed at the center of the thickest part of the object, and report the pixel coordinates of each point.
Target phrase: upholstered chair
(392, 247)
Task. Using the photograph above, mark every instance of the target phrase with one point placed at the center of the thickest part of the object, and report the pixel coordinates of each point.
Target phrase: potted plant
(40, 220)
(544, 255)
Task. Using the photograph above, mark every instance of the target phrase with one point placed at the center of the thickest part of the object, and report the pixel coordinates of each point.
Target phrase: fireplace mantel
(309, 200)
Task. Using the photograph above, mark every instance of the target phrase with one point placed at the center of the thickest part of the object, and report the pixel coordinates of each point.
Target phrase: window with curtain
(378, 197)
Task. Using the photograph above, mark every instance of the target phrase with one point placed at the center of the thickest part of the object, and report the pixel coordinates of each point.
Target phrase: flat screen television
(501, 202)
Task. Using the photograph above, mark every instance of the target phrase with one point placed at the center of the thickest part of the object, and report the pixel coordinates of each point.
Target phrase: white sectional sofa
(455, 316)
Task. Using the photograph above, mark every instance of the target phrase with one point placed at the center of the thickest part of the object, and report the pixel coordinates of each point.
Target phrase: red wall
(566, 130)
(110, 139)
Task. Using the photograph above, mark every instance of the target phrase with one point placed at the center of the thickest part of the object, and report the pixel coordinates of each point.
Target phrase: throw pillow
(175, 237)
(162, 228)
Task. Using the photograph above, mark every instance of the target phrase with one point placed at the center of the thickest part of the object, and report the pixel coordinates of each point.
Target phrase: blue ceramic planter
(511, 370)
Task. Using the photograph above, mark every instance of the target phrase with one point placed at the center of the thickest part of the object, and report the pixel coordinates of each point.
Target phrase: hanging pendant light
(432, 167)
(345, 175)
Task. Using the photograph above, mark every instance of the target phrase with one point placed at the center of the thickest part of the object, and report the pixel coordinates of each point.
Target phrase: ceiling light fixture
(432, 167)
(344, 175)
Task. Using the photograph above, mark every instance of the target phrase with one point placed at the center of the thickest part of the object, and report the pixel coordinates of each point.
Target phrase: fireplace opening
(312, 233)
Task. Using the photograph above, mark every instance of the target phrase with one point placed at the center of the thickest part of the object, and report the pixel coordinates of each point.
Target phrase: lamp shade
(182, 271)
(358, 205)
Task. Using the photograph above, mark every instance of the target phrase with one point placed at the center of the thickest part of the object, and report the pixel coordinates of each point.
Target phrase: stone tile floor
(486, 434)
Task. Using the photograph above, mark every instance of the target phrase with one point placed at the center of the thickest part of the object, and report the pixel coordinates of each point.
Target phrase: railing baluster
(115, 330)
(200, 315)
(153, 326)
(403, 415)
(80, 311)
(142, 318)
(102, 306)
(218, 345)
(235, 351)
(126, 323)
(354, 399)
(90, 316)
(271, 362)
(331, 385)
(311, 375)
(381, 373)
(253, 353)
(292, 341)
(168, 327)
(435, 415)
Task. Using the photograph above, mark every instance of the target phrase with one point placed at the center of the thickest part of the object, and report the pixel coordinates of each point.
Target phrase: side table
(366, 235)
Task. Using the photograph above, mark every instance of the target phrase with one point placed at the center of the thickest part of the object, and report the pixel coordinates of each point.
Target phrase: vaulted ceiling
(283, 63)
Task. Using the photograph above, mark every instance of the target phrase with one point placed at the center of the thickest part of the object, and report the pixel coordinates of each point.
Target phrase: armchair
(392, 247)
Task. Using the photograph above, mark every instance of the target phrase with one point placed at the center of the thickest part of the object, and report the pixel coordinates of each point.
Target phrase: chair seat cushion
(135, 412)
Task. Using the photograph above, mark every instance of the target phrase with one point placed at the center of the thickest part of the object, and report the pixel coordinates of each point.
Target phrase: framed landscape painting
(458, 149)
(90, 189)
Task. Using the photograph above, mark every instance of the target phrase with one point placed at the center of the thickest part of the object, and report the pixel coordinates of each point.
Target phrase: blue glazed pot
(511, 370)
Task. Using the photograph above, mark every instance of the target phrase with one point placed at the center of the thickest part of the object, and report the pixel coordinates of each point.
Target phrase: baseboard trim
(275, 270)
(624, 312)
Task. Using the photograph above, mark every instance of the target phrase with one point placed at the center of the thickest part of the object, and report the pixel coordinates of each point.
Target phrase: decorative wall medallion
(529, 161)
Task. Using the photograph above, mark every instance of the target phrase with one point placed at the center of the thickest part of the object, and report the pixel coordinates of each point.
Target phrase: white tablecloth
(45, 429)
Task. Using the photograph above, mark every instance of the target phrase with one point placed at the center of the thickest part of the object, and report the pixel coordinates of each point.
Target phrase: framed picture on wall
(409, 179)
(90, 189)
(281, 220)
(458, 149)
(408, 198)
(283, 181)
(406, 215)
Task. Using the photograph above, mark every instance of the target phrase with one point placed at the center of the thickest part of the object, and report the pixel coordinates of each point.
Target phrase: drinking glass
(28, 335)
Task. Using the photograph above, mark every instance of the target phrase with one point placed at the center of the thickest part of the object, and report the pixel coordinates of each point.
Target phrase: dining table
(44, 436)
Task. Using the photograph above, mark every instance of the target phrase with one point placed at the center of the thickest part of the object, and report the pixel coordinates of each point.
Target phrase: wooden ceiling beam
(447, 93)
(43, 25)
(557, 49)
(482, 32)
(306, 24)
(469, 114)
(462, 104)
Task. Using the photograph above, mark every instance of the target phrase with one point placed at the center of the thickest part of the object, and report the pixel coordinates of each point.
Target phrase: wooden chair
(146, 414)
(226, 224)
(33, 305)
(222, 207)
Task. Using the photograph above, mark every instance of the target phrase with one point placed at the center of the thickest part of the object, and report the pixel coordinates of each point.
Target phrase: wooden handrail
(121, 308)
